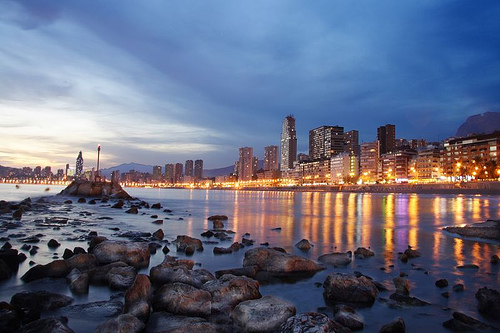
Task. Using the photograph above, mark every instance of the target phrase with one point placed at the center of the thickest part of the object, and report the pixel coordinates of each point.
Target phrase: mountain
(126, 167)
(487, 122)
(211, 173)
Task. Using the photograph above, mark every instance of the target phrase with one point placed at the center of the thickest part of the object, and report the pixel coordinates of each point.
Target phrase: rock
(5, 271)
(81, 200)
(16, 215)
(10, 258)
(95, 241)
(446, 294)
(121, 278)
(274, 261)
(218, 217)
(161, 322)
(167, 273)
(132, 210)
(486, 230)
(489, 301)
(82, 261)
(156, 206)
(349, 288)
(310, 322)
(346, 316)
(441, 283)
(165, 249)
(407, 300)
(95, 189)
(158, 222)
(181, 298)
(410, 253)
(218, 224)
(266, 314)
(78, 281)
(250, 271)
(304, 245)
(494, 259)
(395, 326)
(461, 323)
(222, 250)
(9, 320)
(229, 290)
(183, 242)
(364, 252)
(207, 234)
(336, 258)
(468, 266)
(118, 205)
(158, 234)
(6, 246)
(55, 269)
(94, 311)
(125, 323)
(40, 300)
(402, 285)
(47, 325)
(99, 275)
(137, 298)
(135, 254)
(92, 202)
(458, 287)
(67, 254)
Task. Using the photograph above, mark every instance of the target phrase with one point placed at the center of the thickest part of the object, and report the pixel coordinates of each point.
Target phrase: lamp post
(98, 156)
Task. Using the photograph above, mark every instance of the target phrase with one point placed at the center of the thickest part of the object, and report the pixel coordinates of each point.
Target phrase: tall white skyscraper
(288, 143)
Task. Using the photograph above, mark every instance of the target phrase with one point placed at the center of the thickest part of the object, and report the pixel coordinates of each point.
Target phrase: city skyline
(204, 84)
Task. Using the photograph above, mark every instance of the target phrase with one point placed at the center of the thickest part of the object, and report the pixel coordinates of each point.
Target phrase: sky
(161, 81)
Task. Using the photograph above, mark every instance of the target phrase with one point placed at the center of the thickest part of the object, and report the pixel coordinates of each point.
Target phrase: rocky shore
(487, 230)
(178, 296)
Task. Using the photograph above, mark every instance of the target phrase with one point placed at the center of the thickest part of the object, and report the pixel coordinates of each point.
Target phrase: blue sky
(158, 82)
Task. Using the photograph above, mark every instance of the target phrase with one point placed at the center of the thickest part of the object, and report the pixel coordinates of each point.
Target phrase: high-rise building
(188, 169)
(245, 165)
(271, 158)
(351, 142)
(79, 166)
(386, 135)
(288, 143)
(369, 157)
(198, 169)
(255, 165)
(169, 173)
(177, 173)
(344, 168)
(157, 173)
(325, 142)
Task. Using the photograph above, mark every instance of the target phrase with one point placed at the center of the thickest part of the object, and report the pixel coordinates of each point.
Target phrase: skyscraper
(288, 143)
(369, 161)
(245, 165)
(188, 169)
(169, 173)
(79, 166)
(177, 173)
(157, 173)
(351, 142)
(325, 141)
(386, 135)
(198, 169)
(271, 158)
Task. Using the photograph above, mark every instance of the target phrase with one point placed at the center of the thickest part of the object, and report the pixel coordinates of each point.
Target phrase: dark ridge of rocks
(87, 188)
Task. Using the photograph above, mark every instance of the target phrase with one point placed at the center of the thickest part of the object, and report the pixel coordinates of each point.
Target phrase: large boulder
(265, 314)
(395, 326)
(229, 290)
(184, 243)
(402, 285)
(161, 322)
(489, 301)
(137, 298)
(123, 323)
(82, 261)
(340, 287)
(310, 322)
(363, 252)
(274, 261)
(162, 274)
(348, 317)
(99, 275)
(47, 325)
(95, 189)
(463, 323)
(40, 300)
(54, 269)
(336, 258)
(135, 254)
(78, 281)
(304, 245)
(183, 299)
(121, 278)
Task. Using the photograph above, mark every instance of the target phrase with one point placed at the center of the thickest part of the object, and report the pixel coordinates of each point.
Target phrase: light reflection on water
(387, 223)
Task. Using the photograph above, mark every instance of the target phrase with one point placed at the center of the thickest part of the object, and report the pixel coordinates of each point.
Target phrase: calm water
(387, 223)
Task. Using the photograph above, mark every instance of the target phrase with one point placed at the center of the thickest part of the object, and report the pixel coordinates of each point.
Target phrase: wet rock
(461, 323)
(78, 281)
(349, 288)
(468, 266)
(99, 275)
(121, 278)
(266, 314)
(361, 251)
(40, 300)
(441, 283)
(250, 271)
(6, 246)
(135, 254)
(402, 285)
(410, 253)
(94, 311)
(18, 214)
(137, 298)
(222, 250)
(207, 234)
(161, 322)
(123, 323)
(218, 217)
(494, 259)
(10, 258)
(229, 290)
(118, 205)
(132, 210)
(5, 271)
(181, 298)
(488, 230)
(92, 202)
(458, 287)
(55, 269)
(310, 322)
(184, 242)
(95, 241)
(489, 301)
(274, 261)
(218, 224)
(158, 234)
(79, 250)
(347, 317)
(67, 254)
(407, 300)
(47, 325)
(165, 249)
(82, 261)
(68, 202)
(168, 273)
(336, 258)
(157, 222)
(156, 206)
(9, 320)
(81, 200)
(30, 239)
(395, 326)
(247, 242)
(304, 245)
